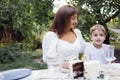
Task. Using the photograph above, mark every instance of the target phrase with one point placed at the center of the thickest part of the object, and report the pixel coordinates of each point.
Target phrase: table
(46, 74)
(114, 73)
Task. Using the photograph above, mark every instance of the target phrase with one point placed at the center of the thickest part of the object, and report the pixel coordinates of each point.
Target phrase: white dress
(53, 47)
(93, 53)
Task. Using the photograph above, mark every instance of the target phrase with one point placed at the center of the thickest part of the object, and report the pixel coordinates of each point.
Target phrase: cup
(92, 69)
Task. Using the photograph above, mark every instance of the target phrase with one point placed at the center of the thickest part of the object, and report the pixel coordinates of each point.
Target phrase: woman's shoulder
(77, 30)
(90, 45)
(50, 34)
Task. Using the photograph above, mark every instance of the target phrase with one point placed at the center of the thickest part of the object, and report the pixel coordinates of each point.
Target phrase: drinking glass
(109, 55)
(1, 76)
(55, 66)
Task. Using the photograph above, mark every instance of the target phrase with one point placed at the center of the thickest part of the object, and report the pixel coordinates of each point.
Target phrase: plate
(16, 74)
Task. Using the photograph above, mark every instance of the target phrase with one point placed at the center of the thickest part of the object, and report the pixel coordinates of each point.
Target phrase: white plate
(15, 74)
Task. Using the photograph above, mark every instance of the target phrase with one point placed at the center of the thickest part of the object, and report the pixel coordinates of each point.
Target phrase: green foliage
(114, 23)
(37, 54)
(27, 60)
(116, 44)
(9, 53)
(85, 21)
(95, 10)
(27, 17)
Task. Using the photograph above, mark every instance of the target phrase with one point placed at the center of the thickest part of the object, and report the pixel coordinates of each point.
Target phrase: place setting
(78, 70)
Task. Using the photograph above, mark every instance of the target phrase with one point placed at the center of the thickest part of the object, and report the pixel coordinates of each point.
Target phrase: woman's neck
(68, 31)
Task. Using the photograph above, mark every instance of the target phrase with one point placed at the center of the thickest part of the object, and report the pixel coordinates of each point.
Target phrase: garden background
(24, 22)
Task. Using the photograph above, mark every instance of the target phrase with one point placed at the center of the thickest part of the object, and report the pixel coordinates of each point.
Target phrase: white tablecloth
(46, 74)
(114, 73)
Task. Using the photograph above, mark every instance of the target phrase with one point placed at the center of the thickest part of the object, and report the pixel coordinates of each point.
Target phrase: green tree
(96, 10)
(21, 18)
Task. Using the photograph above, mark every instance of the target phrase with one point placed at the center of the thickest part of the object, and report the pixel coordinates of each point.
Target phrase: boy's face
(98, 37)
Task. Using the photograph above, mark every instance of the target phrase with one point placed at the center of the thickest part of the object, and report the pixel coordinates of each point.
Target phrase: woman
(63, 41)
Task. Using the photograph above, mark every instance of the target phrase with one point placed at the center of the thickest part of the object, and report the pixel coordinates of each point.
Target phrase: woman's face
(98, 37)
(73, 21)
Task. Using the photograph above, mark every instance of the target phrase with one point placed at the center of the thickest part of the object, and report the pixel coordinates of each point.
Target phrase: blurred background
(24, 22)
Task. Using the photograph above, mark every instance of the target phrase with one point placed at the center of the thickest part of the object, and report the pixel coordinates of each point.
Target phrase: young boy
(97, 50)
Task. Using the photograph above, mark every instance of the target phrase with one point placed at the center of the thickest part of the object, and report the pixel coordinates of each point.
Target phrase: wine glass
(109, 55)
(55, 66)
(1, 76)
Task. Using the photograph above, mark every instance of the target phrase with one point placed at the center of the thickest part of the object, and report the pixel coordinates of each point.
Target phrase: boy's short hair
(97, 27)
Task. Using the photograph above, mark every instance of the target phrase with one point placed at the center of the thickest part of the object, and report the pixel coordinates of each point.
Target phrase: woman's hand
(65, 65)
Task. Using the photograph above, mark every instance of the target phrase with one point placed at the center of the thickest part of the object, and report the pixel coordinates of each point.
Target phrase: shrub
(9, 53)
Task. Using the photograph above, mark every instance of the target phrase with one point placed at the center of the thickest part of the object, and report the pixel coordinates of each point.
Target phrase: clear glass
(109, 55)
(1, 76)
(55, 66)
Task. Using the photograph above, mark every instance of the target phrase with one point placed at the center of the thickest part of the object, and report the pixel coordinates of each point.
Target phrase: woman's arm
(49, 47)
